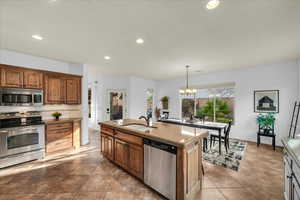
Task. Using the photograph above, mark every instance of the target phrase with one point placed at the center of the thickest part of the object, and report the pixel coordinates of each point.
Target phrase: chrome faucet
(146, 118)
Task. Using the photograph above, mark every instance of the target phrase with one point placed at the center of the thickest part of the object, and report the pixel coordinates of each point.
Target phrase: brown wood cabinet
(73, 91)
(62, 136)
(59, 88)
(11, 77)
(62, 89)
(107, 146)
(136, 162)
(127, 150)
(54, 89)
(33, 79)
(121, 153)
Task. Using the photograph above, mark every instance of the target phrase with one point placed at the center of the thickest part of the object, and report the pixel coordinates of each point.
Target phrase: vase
(57, 118)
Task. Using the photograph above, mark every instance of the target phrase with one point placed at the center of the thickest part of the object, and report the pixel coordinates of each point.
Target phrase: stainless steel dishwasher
(160, 167)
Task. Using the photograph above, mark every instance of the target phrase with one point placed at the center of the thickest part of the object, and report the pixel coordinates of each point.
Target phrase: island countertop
(174, 134)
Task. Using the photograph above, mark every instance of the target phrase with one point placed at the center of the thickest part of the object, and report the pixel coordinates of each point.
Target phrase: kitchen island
(131, 144)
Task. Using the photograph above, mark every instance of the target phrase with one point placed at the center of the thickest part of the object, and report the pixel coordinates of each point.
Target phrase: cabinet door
(103, 144)
(58, 140)
(54, 92)
(136, 161)
(33, 79)
(121, 153)
(192, 156)
(287, 179)
(11, 77)
(76, 134)
(73, 91)
(109, 146)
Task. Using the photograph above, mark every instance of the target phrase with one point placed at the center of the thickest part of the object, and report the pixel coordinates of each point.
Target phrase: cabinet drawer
(54, 135)
(129, 138)
(108, 131)
(58, 145)
(60, 126)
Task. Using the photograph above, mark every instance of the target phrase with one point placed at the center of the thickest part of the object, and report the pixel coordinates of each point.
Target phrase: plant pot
(57, 118)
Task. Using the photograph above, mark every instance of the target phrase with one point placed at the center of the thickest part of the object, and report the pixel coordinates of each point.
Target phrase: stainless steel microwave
(20, 97)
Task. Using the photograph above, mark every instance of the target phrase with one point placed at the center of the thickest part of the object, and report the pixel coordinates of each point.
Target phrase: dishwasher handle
(162, 146)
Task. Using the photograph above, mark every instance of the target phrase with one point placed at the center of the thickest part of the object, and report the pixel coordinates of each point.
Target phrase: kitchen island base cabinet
(107, 146)
(128, 149)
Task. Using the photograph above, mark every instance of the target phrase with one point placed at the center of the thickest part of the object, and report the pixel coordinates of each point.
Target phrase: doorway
(116, 105)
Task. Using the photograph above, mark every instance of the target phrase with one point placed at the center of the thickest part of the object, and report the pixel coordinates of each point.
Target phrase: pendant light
(187, 90)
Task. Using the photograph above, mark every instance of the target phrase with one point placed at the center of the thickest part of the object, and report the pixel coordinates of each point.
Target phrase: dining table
(216, 126)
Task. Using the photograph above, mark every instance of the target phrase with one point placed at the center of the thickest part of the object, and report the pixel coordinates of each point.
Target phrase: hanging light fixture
(187, 90)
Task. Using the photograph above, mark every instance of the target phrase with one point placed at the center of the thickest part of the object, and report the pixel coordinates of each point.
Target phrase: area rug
(229, 160)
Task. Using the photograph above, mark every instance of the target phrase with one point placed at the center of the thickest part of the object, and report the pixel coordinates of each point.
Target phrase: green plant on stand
(56, 115)
(266, 121)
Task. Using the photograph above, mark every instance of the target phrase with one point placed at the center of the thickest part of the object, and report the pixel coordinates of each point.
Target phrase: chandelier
(187, 90)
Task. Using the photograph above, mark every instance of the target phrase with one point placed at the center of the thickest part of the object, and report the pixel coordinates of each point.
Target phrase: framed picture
(266, 101)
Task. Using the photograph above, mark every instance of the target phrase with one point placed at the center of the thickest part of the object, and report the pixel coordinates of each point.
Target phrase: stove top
(19, 119)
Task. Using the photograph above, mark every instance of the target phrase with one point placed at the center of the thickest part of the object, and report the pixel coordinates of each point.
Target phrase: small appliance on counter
(22, 137)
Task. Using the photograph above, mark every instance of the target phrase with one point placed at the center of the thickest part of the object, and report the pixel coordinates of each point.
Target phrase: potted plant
(165, 102)
(266, 122)
(56, 115)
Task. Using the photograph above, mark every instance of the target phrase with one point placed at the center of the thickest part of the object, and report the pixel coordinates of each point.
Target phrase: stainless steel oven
(21, 139)
(20, 97)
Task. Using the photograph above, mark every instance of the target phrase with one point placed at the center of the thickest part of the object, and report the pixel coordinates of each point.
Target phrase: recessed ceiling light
(107, 57)
(37, 37)
(212, 4)
(139, 41)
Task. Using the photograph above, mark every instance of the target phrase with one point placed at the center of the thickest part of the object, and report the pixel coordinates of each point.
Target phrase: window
(210, 104)
(150, 93)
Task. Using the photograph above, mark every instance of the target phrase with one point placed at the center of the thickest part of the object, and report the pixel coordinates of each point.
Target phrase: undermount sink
(139, 127)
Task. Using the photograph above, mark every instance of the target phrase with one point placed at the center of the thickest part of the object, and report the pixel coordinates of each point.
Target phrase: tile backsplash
(68, 111)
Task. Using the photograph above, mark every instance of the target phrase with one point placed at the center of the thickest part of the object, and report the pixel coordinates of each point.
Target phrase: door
(54, 89)
(33, 79)
(116, 105)
(136, 162)
(11, 77)
(121, 153)
(73, 88)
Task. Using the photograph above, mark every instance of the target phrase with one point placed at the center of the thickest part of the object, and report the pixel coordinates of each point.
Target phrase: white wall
(138, 96)
(136, 89)
(34, 62)
(281, 76)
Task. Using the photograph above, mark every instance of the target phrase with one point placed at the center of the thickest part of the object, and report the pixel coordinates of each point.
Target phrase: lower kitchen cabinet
(291, 179)
(121, 153)
(107, 146)
(136, 162)
(127, 152)
(62, 135)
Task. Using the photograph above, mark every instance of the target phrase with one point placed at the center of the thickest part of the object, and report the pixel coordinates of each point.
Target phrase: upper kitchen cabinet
(73, 91)
(33, 79)
(54, 89)
(11, 77)
(62, 89)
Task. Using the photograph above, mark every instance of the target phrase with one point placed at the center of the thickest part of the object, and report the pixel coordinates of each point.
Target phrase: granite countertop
(62, 120)
(292, 146)
(174, 134)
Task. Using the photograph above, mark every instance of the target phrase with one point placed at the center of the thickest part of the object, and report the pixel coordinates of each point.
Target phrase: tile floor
(86, 175)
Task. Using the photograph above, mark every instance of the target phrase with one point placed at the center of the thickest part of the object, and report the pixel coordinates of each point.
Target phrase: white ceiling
(239, 33)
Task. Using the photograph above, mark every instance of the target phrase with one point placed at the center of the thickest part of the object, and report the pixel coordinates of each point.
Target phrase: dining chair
(224, 138)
